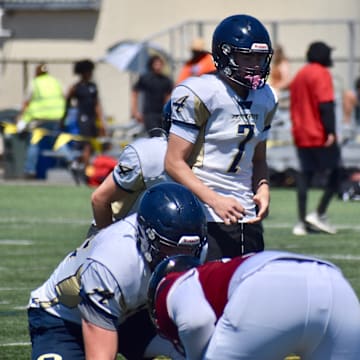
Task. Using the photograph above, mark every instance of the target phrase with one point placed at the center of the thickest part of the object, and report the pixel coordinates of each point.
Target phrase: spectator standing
(84, 96)
(263, 306)
(43, 108)
(351, 105)
(201, 61)
(101, 284)
(155, 88)
(217, 142)
(312, 110)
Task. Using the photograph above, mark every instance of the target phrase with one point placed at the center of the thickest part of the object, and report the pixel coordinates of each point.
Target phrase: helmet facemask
(246, 67)
(157, 248)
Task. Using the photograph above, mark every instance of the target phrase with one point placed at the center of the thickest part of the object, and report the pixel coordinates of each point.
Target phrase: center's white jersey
(109, 268)
(140, 165)
(225, 130)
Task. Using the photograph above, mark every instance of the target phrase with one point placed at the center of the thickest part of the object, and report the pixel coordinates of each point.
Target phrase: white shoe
(320, 223)
(299, 229)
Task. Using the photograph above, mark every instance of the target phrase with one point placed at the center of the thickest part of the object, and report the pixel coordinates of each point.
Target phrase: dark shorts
(319, 158)
(234, 240)
(87, 125)
(55, 339)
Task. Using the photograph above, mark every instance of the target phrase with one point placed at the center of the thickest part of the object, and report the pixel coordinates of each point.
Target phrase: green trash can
(15, 147)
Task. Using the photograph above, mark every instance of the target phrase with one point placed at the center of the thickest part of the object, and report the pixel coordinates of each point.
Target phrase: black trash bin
(15, 147)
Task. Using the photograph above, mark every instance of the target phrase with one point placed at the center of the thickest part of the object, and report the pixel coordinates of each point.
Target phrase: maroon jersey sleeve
(215, 277)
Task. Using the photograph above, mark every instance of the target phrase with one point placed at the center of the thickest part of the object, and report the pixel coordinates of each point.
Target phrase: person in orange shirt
(201, 61)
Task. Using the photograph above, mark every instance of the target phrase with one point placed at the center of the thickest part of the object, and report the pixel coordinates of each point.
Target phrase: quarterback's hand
(228, 208)
(262, 200)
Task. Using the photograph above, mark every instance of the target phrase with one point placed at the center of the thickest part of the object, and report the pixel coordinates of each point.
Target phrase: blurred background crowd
(116, 63)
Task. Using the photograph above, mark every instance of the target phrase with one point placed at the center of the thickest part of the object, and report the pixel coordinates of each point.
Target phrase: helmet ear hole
(226, 49)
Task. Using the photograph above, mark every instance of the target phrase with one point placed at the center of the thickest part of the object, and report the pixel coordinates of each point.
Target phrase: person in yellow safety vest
(43, 108)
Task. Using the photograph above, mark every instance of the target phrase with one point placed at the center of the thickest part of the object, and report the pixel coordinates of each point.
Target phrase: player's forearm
(102, 211)
(260, 167)
(100, 344)
(181, 172)
(260, 176)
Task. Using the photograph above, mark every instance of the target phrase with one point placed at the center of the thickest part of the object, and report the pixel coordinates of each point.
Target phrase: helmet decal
(189, 240)
(259, 47)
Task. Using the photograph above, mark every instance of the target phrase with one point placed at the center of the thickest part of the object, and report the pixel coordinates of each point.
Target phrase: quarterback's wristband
(262, 182)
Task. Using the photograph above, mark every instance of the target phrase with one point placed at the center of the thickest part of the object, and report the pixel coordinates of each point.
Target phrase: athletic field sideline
(40, 224)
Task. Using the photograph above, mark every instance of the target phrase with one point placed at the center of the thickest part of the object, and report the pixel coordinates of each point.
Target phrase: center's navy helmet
(177, 263)
(171, 220)
(237, 40)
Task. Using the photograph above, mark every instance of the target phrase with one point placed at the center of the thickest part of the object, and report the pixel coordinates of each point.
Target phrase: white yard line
(15, 242)
(272, 225)
(16, 344)
(13, 289)
(57, 220)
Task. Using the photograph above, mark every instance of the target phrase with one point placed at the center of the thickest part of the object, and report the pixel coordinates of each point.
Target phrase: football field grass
(39, 224)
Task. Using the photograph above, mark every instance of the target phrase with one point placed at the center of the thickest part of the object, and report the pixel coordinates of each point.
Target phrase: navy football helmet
(171, 221)
(242, 50)
(177, 263)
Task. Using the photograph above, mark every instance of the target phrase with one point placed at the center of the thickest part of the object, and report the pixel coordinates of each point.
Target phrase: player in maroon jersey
(262, 306)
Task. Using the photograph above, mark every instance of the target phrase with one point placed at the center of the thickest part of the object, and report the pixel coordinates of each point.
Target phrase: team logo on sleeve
(180, 103)
(122, 169)
(102, 296)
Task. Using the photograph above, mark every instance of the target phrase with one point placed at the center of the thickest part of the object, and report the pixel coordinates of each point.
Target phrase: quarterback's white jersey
(225, 130)
(108, 268)
(140, 165)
